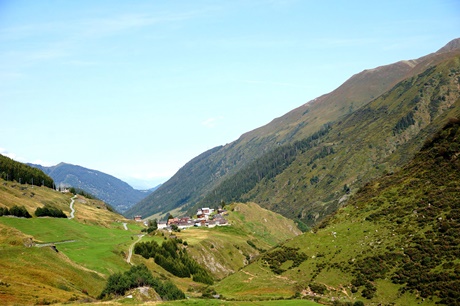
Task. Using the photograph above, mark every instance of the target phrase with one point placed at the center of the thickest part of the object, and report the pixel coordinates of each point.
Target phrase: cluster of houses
(206, 217)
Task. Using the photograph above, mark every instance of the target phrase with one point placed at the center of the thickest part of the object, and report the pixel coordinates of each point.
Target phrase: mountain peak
(452, 45)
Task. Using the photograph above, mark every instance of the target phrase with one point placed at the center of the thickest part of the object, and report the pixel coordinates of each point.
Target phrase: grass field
(199, 302)
(96, 248)
(71, 259)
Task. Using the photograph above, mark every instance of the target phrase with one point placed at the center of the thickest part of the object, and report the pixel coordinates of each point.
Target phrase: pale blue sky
(138, 88)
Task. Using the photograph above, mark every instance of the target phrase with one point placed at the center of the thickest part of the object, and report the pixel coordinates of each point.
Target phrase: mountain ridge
(224, 161)
(104, 186)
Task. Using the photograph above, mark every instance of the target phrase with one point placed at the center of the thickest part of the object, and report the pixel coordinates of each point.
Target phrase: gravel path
(41, 245)
(130, 252)
(72, 213)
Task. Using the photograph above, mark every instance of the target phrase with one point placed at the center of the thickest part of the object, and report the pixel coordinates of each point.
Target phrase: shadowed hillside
(310, 183)
(396, 241)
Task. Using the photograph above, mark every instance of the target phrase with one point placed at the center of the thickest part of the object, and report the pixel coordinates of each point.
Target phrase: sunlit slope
(396, 241)
(310, 179)
(47, 259)
(252, 230)
(31, 275)
(192, 183)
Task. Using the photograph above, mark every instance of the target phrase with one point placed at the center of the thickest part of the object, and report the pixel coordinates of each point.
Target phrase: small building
(204, 213)
(138, 218)
(185, 225)
(162, 225)
(173, 221)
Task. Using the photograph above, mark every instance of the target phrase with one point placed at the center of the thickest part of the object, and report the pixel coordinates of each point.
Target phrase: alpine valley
(305, 164)
(350, 199)
(105, 187)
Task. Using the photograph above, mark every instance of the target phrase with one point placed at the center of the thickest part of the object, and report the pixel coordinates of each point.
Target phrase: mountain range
(369, 172)
(306, 163)
(105, 187)
(396, 242)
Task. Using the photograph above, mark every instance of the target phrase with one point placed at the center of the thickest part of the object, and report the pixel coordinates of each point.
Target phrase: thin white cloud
(211, 122)
(115, 24)
(10, 75)
(6, 153)
(344, 42)
(63, 39)
(43, 163)
(272, 83)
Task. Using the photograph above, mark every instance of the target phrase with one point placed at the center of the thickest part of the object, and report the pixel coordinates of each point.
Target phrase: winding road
(130, 252)
(72, 213)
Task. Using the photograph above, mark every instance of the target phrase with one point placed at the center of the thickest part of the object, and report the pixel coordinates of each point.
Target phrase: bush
(49, 211)
(173, 259)
(318, 288)
(4, 211)
(277, 257)
(19, 211)
(139, 276)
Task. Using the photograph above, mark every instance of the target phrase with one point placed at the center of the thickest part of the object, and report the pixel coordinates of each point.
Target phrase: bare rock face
(142, 295)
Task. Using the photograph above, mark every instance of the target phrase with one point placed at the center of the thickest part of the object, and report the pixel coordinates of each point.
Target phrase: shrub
(173, 259)
(318, 288)
(138, 276)
(4, 211)
(49, 211)
(19, 211)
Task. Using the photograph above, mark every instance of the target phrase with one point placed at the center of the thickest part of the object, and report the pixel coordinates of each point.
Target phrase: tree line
(174, 259)
(49, 211)
(21, 212)
(11, 170)
(266, 167)
(17, 211)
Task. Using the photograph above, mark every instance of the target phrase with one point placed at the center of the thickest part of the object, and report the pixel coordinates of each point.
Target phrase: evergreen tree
(173, 259)
(49, 211)
(20, 211)
(12, 170)
(138, 276)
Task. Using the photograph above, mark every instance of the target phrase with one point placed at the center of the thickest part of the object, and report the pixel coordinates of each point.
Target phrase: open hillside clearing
(73, 256)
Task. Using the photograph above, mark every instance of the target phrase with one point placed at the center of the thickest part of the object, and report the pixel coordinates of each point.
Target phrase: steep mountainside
(200, 176)
(310, 179)
(396, 242)
(104, 186)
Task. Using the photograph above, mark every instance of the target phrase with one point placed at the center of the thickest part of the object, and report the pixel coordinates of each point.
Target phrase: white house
(204, 213)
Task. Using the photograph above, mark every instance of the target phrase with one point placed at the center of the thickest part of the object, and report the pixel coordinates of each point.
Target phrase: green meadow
(94, 247)
(199, 302)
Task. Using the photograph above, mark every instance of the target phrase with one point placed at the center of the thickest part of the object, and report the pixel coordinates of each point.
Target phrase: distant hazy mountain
(303, 163)
(107, 188)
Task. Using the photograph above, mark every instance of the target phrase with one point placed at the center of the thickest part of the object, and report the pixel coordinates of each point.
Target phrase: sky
(136, 89)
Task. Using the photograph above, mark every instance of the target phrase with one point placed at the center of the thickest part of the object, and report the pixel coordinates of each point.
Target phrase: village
(205, 217)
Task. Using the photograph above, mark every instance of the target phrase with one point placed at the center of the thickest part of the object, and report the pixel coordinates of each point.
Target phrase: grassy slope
(36, 274)
(224, 250)
(364, 145)
(392, 229)
(241, 303)
(202, 174)
(99, 246)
